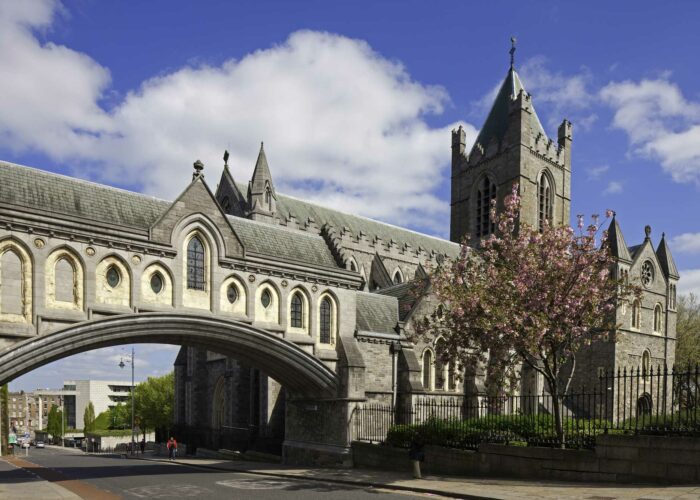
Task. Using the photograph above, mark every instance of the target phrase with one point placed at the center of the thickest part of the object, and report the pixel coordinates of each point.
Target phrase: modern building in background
(104, 394)
(29, 411)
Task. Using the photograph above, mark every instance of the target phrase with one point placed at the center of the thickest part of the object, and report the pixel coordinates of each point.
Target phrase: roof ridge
(274, 226)
(442, 240)
(78, 180)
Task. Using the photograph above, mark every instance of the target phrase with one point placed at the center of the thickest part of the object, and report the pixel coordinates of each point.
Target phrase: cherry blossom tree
(525, 296)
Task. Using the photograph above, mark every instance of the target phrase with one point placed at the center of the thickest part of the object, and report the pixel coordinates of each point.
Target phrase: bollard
(416, 469)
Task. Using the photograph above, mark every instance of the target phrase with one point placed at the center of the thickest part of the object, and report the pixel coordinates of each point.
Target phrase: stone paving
(455, 487)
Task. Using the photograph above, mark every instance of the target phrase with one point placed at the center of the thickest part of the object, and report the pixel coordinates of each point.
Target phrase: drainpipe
(395, 348)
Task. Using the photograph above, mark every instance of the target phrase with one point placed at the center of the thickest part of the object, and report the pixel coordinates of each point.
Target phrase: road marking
(257, 484)
(168, 491)
(83, 490)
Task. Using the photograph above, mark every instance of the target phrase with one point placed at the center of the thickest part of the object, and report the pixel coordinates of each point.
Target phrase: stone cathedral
(319, 301)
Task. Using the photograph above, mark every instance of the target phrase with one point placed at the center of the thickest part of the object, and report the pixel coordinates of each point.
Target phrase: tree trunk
(557, 407)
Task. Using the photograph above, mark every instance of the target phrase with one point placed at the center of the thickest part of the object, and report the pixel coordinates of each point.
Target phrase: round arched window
(232, 293)
(157, 283)
(113, 277)
(266, 299)
(647, 273)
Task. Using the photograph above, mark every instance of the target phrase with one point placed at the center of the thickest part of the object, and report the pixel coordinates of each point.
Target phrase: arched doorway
(644, 405)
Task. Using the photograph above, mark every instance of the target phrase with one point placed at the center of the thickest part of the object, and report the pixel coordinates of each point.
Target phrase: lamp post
(121, 365)
(63, 423)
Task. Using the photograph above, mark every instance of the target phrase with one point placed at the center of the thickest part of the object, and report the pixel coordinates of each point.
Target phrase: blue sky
(354, 101)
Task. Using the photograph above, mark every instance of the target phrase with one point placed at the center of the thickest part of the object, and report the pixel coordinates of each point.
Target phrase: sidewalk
(449, 486)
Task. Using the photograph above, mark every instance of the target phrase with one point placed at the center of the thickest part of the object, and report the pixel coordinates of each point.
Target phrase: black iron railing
(642, 400)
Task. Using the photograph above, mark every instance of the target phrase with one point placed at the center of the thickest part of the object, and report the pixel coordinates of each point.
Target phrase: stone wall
(622, 459)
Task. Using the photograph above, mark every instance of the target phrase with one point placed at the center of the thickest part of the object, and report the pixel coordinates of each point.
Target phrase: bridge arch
(301, 373)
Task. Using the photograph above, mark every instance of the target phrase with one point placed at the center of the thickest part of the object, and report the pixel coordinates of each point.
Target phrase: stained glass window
(195, 265)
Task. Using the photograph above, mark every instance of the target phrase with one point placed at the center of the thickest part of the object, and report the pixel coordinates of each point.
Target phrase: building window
(398, 279)
(13, 293)
(636, 314)
(113, 276)
(232, 293)
(646, 365)
(157, 283)
(441, 369)
(297, 311)
(268, 198)
(658, 319)
(647, 274)
(544, 195)
(672, 297)
(484, 195)
(326, 321)
(195, 265)
(428, 370)
(352, 265)
(266, 298)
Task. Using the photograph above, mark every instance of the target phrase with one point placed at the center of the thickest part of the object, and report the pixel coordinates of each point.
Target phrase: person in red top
(172, 448)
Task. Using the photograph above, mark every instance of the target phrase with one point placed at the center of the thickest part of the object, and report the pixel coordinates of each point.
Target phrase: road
(107, 477)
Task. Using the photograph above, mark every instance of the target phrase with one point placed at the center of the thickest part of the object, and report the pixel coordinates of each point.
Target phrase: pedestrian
(172, 448)
(416, 456)
(143, 445)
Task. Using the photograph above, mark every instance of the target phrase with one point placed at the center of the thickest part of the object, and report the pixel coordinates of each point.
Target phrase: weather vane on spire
(512, 51)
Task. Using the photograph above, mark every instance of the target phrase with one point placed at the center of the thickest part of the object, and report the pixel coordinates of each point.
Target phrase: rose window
(647, 274)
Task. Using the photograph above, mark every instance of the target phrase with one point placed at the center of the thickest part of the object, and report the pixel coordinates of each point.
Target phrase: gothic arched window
(658, 318)
(297, 311)
(196, 279)
(428, 370)
(326, 321)
(646, 364)
(12, 281)
(544, 197)
(268, 198)
(398, 279)
(636, 314)
(484, 195)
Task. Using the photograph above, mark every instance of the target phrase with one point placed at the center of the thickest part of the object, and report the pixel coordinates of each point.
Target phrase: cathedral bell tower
(511, 147)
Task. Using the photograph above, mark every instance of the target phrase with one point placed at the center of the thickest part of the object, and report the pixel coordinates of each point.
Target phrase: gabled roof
(282, 243)
(376, 313)
(616, 241)
(497, 120)
(663, 253)
(379, 275)
(62, 195)
(408, 295)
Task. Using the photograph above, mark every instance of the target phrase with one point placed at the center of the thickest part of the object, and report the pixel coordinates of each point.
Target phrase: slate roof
(408, 294)
(283, 243)
(59, 194)
(376, 313)
(496, 122)
(302, 210)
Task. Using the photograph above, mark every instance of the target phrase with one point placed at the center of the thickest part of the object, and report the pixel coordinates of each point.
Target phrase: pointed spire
(616, 241)
(262, 199)
(261, 174)
(663, 253)
(498, 118)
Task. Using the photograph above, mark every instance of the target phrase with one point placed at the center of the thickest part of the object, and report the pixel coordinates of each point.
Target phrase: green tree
(154, 403)
(688, 331)
(120, 416)
(5, 421)
(55, 424)
(89, 418)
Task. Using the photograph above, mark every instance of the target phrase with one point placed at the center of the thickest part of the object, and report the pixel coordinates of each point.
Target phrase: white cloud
(614, 187)
(686, 242)
(564, 96)
(660, 123)
(334, 114)
(689, 282)
(596, 172)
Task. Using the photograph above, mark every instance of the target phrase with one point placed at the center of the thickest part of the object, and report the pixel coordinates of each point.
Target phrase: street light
(122, 365)
(63, 423)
